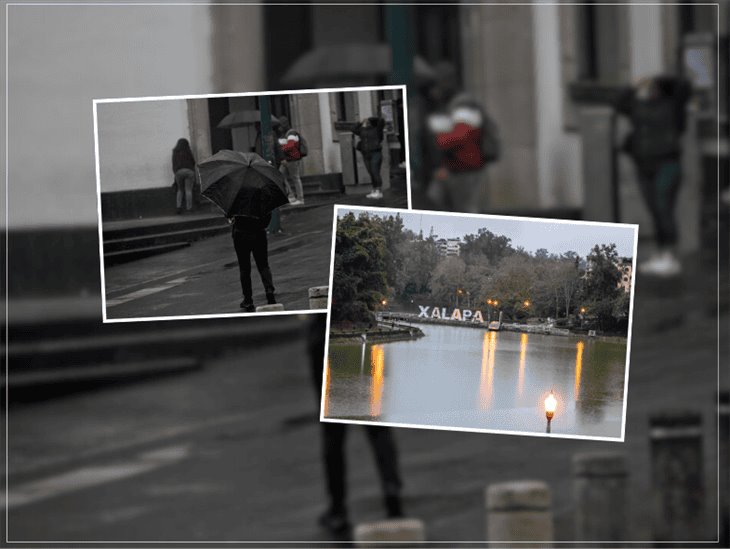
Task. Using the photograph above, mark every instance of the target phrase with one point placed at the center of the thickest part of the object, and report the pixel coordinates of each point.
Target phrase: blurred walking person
(335, 519)
(293, 148)
(370, 132)
(183, 166)
(465, 140)
(656, 108)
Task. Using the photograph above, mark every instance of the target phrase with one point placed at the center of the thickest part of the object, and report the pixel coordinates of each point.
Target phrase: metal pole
(400, 34)
(267, 145)
(267, 148)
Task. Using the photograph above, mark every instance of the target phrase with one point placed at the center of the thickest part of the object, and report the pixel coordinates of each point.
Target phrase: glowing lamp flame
(551, 404)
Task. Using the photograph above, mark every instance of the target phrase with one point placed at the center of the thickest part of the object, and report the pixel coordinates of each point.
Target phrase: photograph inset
(480, 323)
(176, 176)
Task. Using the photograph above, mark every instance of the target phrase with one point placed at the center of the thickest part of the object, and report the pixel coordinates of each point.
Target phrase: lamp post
(551, 404)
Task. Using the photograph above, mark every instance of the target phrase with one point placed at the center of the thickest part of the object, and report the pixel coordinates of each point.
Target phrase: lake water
(474, 379)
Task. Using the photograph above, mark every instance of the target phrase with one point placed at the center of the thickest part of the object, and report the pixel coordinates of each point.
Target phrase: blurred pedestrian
(335, 519)
(370, 145)
(465, 140)
(293, 148)
(183, 166)
(656, 108)
(249, 237)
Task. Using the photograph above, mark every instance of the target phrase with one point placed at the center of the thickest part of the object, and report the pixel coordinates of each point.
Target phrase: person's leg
(180, 189)
(189, 183)
(333, 451)
(295, 169)
(667, 182)
(242, 244)
(284, 170)
(261, 256)
(386, 458)
(376, 162)
(463, 191)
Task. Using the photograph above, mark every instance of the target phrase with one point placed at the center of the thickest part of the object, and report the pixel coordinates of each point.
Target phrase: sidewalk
(204, 278)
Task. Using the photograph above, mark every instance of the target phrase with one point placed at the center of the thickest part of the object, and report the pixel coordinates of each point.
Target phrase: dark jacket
(371, 137)
(245, 224)
(182, 158)
(657, 121)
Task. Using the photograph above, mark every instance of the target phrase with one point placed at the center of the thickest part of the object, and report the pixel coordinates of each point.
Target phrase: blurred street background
(206, 430)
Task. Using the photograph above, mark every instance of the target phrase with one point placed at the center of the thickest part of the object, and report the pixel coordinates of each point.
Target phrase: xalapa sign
(456, 314)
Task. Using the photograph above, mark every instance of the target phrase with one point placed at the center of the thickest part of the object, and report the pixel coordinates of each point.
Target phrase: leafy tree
(360, 269)
(447, 278)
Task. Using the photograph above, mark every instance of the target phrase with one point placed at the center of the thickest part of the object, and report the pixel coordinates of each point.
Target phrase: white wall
(558, 151)
(63, 57)
(646, 40)
(136, 141)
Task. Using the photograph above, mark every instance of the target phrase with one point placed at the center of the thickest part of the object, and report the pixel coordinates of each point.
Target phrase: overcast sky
(531, 234)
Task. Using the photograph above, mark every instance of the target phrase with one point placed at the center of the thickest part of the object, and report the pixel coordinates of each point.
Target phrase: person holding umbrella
(247, 189)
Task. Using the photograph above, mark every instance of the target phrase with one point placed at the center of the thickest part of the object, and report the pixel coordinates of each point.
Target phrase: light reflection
(489, 346)
(362, 358)
(578, 368)
(327, 389)
(521, 376)
(377, 363)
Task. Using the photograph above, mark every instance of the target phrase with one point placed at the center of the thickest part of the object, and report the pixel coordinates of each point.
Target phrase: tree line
(381, 264)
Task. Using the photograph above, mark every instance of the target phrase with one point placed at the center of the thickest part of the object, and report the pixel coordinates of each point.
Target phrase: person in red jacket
(464, 138)
(293, 149)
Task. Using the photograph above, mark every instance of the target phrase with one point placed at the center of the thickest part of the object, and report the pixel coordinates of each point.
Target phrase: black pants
(659, 184)
(247, 243)
(373, 162)
(334, 435)
(333, 450)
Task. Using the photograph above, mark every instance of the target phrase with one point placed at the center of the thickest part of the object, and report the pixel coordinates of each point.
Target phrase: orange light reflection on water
(489, 346)
(377, 364)
(521, 374)
(578, 367)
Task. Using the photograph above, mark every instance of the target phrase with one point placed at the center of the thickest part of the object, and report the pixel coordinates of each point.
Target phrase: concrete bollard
(318, 297)
(723, 418)
(677, 476)
(400, 530)
(269, 308)
(519, 511)
(599, 489)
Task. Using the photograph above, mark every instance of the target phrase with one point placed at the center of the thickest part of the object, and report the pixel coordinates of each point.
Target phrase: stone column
(519, 511)
(397, 530)
(601, 505)
(677, 476)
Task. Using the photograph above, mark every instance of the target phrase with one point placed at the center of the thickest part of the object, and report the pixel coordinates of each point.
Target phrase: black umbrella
(242, 184)
(349, 63)
(238, 119)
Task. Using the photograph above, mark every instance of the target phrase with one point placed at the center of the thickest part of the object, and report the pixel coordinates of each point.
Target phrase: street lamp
(526, 303)
(550, 404)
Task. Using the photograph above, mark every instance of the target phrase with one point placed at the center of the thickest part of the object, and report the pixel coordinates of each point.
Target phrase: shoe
(248, 306)
(334, 521)
(664, 265)
(179, 211)
(296, 202)
(270, 299)
(377, 193)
